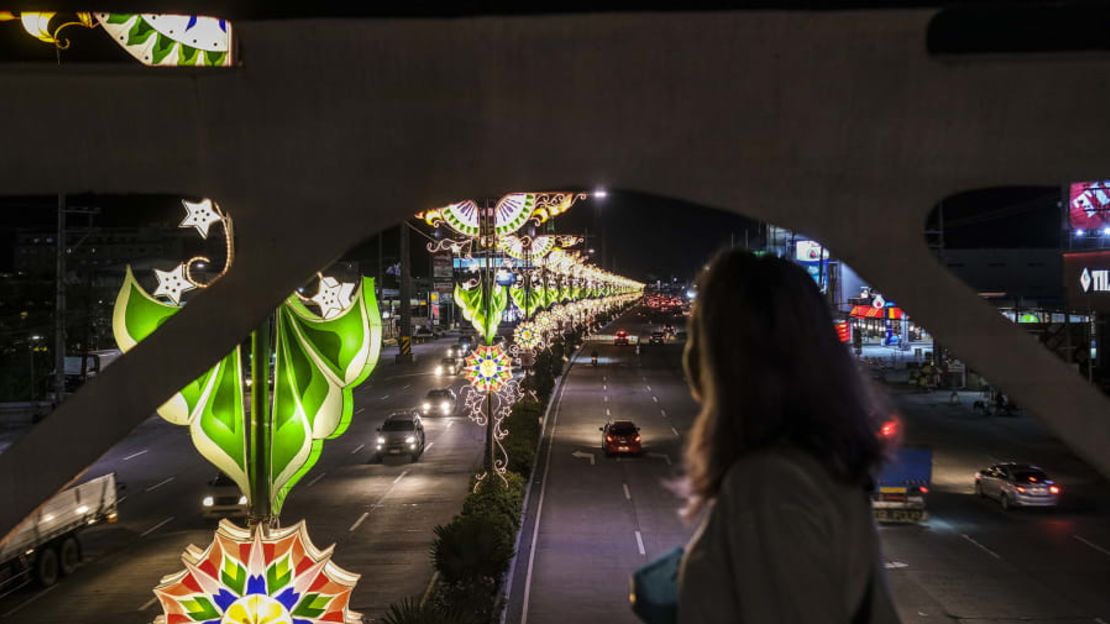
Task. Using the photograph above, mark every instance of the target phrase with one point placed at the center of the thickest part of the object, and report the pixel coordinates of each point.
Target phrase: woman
(780, 457)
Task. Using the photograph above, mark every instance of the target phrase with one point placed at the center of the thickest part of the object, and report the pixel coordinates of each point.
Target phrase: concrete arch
(835, 124)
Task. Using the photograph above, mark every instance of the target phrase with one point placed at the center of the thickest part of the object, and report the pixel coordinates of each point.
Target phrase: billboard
(1087, 280)
(814, 258)
(1089, 205)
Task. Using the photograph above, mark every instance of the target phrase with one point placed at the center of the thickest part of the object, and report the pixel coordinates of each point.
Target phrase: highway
(591, 520)
(380, 515)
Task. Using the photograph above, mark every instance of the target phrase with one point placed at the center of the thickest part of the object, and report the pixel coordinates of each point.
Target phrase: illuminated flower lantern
(527, 337)
(488, 368)
(244, 577)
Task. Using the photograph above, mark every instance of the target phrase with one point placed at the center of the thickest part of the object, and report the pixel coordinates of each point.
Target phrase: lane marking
(30, 600)
(604, 378)
(648, 388)
(654, 398)
(399, 477)
(431, 585)
(148, 604)
(605, 387)
(385, 396)
(674, 431)
(663, 412)
(449, 423)
(134, 455)
(360, 410)
(607, 413)
(358, 448)
(980, 546)
(895, 565)
(158, 485)
(359, 521)
(317, 479)
(156, 527)
(640, 543)
(1092, 544)
(539, 507)
(627, 494)
(607, 398)
(429, 446)
(406, 386)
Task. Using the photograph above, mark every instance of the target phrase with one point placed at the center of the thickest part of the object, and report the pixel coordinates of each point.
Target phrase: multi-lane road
(380, 515)
(593, 520)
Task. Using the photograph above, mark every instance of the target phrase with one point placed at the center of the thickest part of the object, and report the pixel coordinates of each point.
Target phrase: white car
(439, 401)
(1017, 485)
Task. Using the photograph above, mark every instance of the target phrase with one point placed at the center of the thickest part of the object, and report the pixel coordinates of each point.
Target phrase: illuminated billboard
(1089, 206)
(1087, 280)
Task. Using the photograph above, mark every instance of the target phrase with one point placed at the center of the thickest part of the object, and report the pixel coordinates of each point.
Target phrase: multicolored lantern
(270, 576)
(527, 337)
(488, 368)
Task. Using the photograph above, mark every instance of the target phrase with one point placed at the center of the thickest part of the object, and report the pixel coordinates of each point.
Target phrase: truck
(901, 487)
(45, 546)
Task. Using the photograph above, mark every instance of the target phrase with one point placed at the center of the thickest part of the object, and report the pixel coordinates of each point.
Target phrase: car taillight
(922, 489)
(608, 438)
(1020, 489)
(1055, 489)
(637, 438)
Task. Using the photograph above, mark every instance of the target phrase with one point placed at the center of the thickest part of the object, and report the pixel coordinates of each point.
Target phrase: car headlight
(426, 405)
(412, 445)
(242, 500)
(381, 439)
(439, 370)
(445, 405)
(410, 439)
(208, 501)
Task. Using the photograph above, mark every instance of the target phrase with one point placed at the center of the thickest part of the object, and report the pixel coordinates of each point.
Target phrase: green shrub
(495, 498)
(411, 611)
(474, 598)
(473, 546)
(523, 425)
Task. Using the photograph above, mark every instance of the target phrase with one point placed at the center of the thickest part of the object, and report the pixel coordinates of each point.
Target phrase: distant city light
(36, 337)
(1106, 231)
(1079, 232)
(600, 193)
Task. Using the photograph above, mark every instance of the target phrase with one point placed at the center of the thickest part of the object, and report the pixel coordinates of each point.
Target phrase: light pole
(31, 342)
(599, 195)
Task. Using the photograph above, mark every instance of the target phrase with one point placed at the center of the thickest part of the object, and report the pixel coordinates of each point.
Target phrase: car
(439, 401)
(447, 366)
(620, 436)
(657, 337)
(423, 334)
(621, 338)
(463, 346)
(1017, 485)
(222, 497)
(402, 433)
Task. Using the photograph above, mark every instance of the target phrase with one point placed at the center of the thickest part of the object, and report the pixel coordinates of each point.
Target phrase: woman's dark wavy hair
(764, 361)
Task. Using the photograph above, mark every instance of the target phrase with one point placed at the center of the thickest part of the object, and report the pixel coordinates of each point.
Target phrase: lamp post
(31, 342)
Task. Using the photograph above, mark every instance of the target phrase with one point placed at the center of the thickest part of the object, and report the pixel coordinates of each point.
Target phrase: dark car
(439, 401)
(621, 339)
(657, 337)
(620, 436)
(1017, 485)
(402, 433)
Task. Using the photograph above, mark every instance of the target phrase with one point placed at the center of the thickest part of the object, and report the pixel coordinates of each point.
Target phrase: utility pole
(60, 305)
(404, 341)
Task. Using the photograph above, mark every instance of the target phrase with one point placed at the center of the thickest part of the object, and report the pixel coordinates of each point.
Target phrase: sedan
(621, 339)
(620, 436)
(1017, 485)
(439, 401)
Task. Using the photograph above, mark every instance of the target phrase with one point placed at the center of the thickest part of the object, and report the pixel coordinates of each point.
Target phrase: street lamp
(600, 193)
(31, 341)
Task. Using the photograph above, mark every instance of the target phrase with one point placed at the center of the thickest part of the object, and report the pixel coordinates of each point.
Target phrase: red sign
(843, 331)
(892, 313)
(1089, 205)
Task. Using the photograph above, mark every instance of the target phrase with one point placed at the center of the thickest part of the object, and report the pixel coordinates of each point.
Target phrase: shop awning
(893, 313)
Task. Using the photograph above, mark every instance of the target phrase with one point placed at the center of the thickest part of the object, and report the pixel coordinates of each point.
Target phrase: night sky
(645, 236)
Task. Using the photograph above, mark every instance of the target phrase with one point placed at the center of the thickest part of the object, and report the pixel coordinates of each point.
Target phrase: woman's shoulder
(781, 473)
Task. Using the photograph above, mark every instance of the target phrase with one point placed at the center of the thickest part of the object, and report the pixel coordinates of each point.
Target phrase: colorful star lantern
(259, 576)
(488, 368)
(527, 337)
(318, 362)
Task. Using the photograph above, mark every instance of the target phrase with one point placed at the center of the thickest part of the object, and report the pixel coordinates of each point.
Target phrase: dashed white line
(663, 413)
(399, 477)
(360, 410)
(134, 455)
(148, 604)
(604, 379)
(429, 446)
(156, 527)
(674, 431)
(317, 479)
(648, 388)
(359, 521)
(605, 387)
(627, 493)
(654, 398)
(358, 448)
(980, 546)
(159, 484)
(1092, 545)
(640, 543)
(607, 412)
(607, 398)
(30, 600)
(449, 423)
(406, 386)
(385, 396)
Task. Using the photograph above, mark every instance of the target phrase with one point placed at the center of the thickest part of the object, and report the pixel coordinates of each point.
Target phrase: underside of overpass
(836, 124)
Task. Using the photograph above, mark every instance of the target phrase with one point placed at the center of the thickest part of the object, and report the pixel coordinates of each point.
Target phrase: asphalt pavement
(592, 520)
(379, 515)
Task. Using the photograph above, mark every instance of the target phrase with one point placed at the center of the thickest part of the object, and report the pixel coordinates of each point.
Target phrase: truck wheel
(46, 566)
(69, 555)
